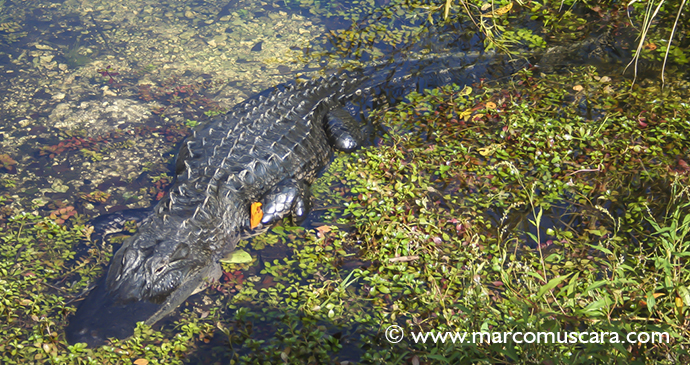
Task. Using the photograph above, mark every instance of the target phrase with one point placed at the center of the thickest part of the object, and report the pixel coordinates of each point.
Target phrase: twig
(403, 258)
(583, 170)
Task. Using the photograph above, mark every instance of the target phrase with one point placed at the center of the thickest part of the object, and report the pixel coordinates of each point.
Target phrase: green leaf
(684, 294)
(237, 257)
(572, 285)
(651, 301)
(602, 249)
(536, 275)
(552, 284)
(595, 285)
(594, 307)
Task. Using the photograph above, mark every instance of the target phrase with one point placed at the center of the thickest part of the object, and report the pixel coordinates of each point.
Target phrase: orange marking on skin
(256, 215)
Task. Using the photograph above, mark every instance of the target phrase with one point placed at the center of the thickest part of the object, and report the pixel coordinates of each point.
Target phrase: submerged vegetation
(550, 203)
(503, 208)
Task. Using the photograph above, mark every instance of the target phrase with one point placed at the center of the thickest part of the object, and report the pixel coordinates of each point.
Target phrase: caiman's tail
(395, 79)
(400, 78)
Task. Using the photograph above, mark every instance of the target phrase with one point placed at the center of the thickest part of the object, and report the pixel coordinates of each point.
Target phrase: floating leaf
(498, 12)
(504, 9)
(650, 46)
(322, 230)
(237, 257)
(465, 91)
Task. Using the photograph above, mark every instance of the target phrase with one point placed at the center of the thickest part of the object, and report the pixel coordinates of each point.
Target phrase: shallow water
(96, 96)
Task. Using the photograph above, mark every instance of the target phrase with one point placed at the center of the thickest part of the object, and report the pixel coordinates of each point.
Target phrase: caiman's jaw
(147, 279)
(150, 270)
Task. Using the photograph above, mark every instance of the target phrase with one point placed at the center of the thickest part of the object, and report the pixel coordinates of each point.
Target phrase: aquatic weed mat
(550, 204)
(555, 203)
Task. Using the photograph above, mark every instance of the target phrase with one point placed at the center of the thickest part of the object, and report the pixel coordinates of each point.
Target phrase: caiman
(266, 150)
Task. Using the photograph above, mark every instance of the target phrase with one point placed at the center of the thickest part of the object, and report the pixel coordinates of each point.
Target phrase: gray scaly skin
(268, 150)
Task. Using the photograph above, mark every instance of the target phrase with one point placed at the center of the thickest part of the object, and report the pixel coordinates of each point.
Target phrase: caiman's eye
(182, 252)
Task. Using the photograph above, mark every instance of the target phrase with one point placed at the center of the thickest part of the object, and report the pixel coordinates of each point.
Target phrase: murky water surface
(94, 93)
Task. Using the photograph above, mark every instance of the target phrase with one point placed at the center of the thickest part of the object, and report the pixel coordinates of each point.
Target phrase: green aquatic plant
(75, 57)
(191, 123)
(92, 155)
(8, 183)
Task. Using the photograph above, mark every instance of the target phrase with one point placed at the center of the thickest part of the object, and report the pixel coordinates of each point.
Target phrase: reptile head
(150, 268)
(150, 275)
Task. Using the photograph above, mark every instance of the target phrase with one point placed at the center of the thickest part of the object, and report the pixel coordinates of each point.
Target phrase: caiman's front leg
(291, 196)
(288, 197)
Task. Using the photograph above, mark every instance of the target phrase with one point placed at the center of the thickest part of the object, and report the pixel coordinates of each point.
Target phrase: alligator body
(268, 150)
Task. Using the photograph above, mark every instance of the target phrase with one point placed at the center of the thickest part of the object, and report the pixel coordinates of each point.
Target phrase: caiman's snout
(125, 279)
(149, 273)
